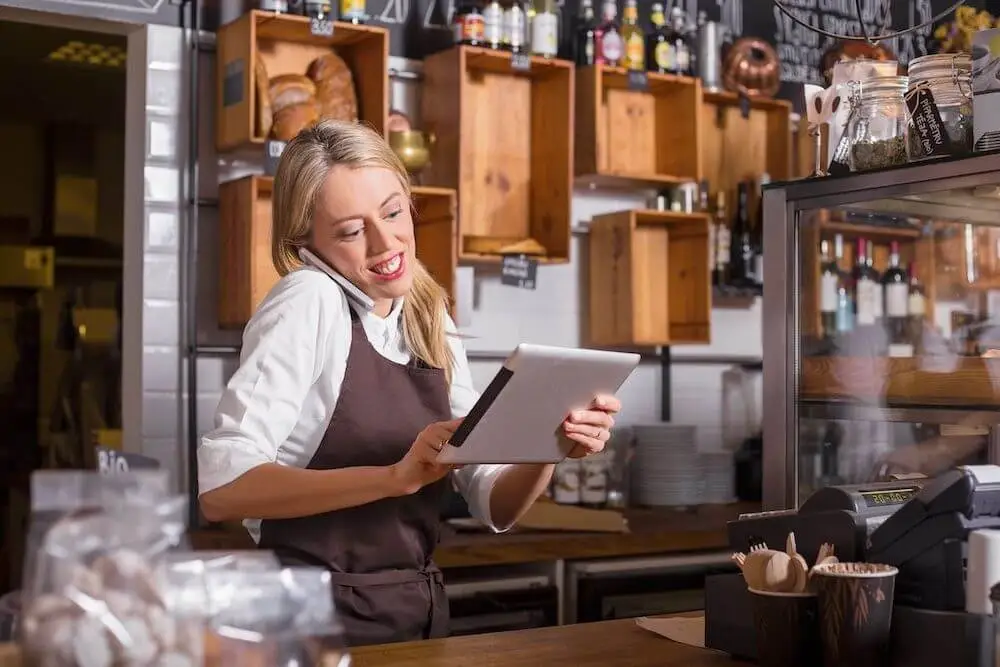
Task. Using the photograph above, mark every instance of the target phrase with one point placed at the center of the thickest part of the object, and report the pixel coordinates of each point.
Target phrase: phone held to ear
(350, 288)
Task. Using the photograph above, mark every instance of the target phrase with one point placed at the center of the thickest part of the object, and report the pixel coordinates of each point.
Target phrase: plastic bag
(95, 598)
(280, 618)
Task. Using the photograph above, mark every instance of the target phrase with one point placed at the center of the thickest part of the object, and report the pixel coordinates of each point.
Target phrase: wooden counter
(610, 643)
(651, 531)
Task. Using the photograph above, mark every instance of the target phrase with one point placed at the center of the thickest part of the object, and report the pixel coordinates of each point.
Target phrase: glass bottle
(829, 287)
(545, 30)
(740, 251)
(916, 308)
(468, 24)
(633, 37)
(584, 46)
(353, 11)
(659, 43)
(493, 24)
(845, 290)
(683, 45)
(513, 27)
(758, 232)
(877, 128)
(608, 45)
(897, 296)
(866, 288)
(720, 277)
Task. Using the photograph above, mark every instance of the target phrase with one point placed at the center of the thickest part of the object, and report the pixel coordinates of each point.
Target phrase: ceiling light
(81, 53)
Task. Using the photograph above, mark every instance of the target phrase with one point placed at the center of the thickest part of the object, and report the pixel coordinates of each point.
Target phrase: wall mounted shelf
(629, 137)
(649, 279)
(246, 272)
(285, 45)
(504, 128)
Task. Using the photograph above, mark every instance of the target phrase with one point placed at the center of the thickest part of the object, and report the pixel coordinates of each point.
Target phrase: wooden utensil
(778, 575)
(799, 567)
(755, 566)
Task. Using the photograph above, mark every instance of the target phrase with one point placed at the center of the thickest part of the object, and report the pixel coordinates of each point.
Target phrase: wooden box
(633, 137)
(246, 272)
(649, 279)
(737, 148)
(285, 45)
(505, 144)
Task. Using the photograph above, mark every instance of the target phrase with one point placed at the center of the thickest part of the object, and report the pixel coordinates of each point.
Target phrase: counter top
(605, 644)
(651, 531)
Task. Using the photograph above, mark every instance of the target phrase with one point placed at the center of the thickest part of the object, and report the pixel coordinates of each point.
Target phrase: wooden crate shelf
(945, 381)
(737, 148)
(649, 279)
(505, 145)
(285, 45)
(631, 138)
(246, 272)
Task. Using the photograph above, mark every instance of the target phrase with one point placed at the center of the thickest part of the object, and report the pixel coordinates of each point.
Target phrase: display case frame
(905, 190)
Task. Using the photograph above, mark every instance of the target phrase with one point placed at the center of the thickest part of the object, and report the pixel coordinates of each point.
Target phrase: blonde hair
(302, 171)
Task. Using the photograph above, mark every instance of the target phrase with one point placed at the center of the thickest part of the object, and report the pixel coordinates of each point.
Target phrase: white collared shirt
(278, 404)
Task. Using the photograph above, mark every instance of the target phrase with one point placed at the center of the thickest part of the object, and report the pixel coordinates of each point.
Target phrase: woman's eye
(394, 213)
(350, 233)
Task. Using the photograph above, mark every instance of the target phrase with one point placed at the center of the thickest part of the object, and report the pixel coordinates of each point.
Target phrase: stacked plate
(666, 467)
(718, 477)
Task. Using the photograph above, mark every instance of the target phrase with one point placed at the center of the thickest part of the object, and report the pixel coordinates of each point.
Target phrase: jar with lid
(877, 126)
(939, 103)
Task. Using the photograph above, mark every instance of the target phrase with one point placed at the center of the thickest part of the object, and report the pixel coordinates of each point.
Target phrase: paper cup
(787, 629)
(855, 612)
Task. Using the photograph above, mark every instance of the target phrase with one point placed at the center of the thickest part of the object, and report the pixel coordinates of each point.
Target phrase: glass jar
(877, 126)
(948, 78)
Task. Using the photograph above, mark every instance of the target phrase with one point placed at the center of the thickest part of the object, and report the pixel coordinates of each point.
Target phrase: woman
(326, 437)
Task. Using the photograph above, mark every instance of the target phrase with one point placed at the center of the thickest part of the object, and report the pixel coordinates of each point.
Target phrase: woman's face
(363, 227)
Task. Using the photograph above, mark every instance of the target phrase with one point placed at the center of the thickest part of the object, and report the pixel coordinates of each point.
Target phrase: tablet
(518, 418)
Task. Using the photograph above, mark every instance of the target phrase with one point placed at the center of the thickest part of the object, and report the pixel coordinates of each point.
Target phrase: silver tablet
(517, 418)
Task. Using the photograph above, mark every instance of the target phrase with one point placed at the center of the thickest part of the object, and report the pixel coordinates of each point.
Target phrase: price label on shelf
(111, 462)
(638, 80)
(272, 153)
(321, 27)
(520, 62)
(519, 271)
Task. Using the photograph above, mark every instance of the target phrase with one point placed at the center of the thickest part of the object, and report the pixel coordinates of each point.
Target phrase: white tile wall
(496, 317)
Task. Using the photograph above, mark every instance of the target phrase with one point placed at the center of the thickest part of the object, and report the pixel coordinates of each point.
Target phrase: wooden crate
(735, 148)
(629, 137)
(246, 272)
(505, 144)
(649, 279)
(286, 46)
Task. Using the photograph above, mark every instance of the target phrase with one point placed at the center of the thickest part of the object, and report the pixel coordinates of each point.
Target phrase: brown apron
(386, 588)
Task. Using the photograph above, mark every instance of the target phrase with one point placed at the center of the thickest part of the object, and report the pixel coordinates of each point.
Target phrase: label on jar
(928, 135)
(896, 297)
(513, 26)
(352, 10)
(545, 34)
(469, 27)
(664, 56)
(493, 23)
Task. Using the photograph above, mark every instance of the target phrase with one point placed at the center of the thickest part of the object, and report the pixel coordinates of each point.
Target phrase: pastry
(335, 93)
(264, 113)
(287, 90)
(293, 119)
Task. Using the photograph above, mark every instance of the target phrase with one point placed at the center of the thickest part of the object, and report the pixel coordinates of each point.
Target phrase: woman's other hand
(419, 467)
(591, 428)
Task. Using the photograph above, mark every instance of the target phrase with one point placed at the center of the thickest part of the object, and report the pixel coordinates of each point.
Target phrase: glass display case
(881, 321)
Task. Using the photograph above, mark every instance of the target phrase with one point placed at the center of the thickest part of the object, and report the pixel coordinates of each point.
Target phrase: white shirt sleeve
(281, 358)
(474, 482)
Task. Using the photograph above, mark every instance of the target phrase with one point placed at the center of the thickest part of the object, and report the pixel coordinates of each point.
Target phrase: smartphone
(309, 257)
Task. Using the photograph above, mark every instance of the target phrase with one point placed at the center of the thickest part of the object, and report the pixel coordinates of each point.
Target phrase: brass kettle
(413, 147)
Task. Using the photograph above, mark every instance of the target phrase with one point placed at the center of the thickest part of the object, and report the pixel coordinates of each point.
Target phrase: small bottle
(607, 40)
(584, 47)
(659, 45)
(633, 38)
(493, 25)
(468, 24)
(513, 27)
(321, 10)
(683, 47)
(353, 11)
(276, 6)
(545, 30)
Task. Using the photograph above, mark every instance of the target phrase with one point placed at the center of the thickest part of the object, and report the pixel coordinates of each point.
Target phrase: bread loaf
(293, 119)
(335, 92)
(264, 114)
(288, 90)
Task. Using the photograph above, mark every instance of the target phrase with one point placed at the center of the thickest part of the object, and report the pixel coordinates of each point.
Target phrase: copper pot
(751, 68)
(851, 50)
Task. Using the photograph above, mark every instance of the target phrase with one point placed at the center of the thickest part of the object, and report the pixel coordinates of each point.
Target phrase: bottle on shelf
(916, 308)
(633, 38)
(529, 17)
(513, 27)
(896, 285)
(353, 11)
(844, 289)
(720, 273)
(493, 24)
(757, 238)
(740, 250)
(545, 30)
(321, 10)
(467, 23)
(683, 43)
(829, 290)
(584, 45)
(608, 44)
(276, 6)
(877, 277)
(866, 288)
(659, 43)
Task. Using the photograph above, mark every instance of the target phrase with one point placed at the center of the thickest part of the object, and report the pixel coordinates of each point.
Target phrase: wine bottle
(866, 288)
(916, 307)
(828, 293)
(741, 250)
(845, 294)
(879, 291)
(897, 296)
